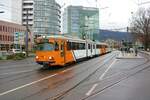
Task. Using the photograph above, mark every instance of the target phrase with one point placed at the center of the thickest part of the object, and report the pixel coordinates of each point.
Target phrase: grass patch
(18, 56)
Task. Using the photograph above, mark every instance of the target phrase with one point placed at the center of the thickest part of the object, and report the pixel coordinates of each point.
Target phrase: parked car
(15, 51)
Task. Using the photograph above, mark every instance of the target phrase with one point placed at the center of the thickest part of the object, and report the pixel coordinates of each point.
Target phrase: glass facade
(82, 22)
(46, 17)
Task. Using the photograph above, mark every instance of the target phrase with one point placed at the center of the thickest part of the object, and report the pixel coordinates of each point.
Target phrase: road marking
(26, 85)
(91, 90)
(65, 70)
(11, 73)
(101, 77)
(68, 69)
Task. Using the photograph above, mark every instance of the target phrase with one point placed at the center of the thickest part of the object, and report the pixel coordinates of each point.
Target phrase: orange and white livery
(61, 50)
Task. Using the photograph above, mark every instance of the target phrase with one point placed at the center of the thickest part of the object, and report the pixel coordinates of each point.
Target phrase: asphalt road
(102, 78)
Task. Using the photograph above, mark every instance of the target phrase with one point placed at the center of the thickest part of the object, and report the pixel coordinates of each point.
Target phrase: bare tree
(140, 26)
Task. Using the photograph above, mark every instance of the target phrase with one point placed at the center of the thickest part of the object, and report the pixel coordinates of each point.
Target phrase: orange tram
(61, 50)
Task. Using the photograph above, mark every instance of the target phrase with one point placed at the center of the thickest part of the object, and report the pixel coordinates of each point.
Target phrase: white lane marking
(26, 85)
(101, 77)
(91, 90)
(66, 70)
(11, 73)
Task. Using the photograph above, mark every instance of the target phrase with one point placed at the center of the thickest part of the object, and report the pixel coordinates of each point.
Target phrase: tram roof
(71, 38)
(62, 37)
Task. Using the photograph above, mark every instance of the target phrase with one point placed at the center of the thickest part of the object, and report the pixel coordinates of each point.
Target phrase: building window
(0, 37)
(3, 28)
(0, 28)
(3, 38)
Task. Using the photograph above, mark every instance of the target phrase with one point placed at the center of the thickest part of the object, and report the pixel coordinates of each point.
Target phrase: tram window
(81, 46)
(93, 46)
(69, 46)
(56, 46)
(89, 46)
(100, 46)
(61, 47)
(97, 46)
(45, 47)
(77, 46)
(73, 46)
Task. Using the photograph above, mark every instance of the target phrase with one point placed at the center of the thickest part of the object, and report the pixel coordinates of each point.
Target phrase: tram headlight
(37, 57)
(50, 58)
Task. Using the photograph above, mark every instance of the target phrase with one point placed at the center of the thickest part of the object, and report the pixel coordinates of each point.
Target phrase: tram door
(62, 52)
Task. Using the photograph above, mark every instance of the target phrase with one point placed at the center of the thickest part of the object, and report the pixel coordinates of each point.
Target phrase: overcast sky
(116, 15)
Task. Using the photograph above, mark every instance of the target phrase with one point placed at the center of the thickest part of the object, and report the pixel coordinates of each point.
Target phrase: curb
(128, 57)
(148, 53)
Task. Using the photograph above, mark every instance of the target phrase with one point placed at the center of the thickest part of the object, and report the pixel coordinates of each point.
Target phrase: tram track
(124, 73)
(61, 82)
(39, 71)
(60, 95)
(72, 67)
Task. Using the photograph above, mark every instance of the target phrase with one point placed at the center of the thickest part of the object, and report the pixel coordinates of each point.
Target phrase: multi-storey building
(46, 17)
(19, 10)
(81, 21)
(7, 33)
(27, 13)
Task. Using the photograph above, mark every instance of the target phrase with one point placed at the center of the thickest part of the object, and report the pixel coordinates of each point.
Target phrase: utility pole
(27, 31)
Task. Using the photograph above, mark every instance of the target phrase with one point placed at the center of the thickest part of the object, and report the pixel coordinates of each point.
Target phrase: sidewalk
(128, 56)
(146, 52)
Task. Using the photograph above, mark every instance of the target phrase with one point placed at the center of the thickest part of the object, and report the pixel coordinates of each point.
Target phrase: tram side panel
(70, 57)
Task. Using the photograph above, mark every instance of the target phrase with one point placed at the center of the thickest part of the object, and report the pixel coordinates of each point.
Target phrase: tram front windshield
(45, 47)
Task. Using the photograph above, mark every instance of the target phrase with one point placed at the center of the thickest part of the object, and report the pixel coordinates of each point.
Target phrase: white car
(15, 51)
